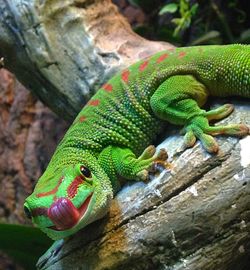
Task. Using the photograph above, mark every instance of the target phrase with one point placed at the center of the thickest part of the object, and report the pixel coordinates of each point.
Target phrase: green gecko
(106, 141)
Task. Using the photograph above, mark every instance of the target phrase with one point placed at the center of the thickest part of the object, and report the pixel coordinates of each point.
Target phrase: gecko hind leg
(178, 101)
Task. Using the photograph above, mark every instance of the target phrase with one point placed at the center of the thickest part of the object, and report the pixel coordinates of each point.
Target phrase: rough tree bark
(197, 216)
(29, 133)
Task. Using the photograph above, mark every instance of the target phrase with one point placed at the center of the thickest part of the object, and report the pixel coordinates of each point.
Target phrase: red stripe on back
(72, 188)
(82, 118)
(162, 58)
(94, 102)
(51, 192)
(125, 76)
(107, 87)
(143, 65)
(181, 54)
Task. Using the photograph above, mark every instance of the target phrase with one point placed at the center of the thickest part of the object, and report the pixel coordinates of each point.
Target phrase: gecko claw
(162, 155)
(160, 163)
(151, 163)
(143, 175)
(148, 153)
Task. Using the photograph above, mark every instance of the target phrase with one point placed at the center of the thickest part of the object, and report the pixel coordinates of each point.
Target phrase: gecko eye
(85, 171)
(27, 212)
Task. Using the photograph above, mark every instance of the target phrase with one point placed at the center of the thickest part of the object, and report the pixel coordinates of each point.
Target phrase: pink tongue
(63, 214)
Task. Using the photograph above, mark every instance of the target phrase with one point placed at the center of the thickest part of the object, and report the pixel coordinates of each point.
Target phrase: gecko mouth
(65, 215)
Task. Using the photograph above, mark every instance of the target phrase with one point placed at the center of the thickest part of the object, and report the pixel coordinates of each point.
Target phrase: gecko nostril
(27, 212)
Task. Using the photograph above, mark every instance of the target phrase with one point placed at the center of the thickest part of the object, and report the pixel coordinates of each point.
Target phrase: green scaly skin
(106, 139)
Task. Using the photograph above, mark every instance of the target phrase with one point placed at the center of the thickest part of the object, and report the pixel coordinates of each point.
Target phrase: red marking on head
(94, 102)
(125, 75)
(182, 54)
(143, 65)
(72, 188)
(51, 192)
(82, 118)
(39, 211)
(107, 87)
(162, 58)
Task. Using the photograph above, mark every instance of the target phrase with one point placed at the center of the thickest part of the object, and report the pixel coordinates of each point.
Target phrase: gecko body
(109, 138)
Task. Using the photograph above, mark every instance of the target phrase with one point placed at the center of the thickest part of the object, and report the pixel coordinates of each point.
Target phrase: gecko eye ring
(85, 171)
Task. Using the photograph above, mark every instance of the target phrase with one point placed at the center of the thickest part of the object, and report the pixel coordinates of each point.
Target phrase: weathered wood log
(195, 217)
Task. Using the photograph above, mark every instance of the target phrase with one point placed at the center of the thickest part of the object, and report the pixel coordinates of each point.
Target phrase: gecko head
(69, 199)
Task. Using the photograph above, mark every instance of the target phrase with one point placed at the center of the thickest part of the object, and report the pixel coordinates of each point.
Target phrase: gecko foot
(199, 128)
(150, 163)
(50, 255)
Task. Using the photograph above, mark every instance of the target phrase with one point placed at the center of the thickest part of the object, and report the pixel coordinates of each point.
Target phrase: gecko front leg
(118, 161)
